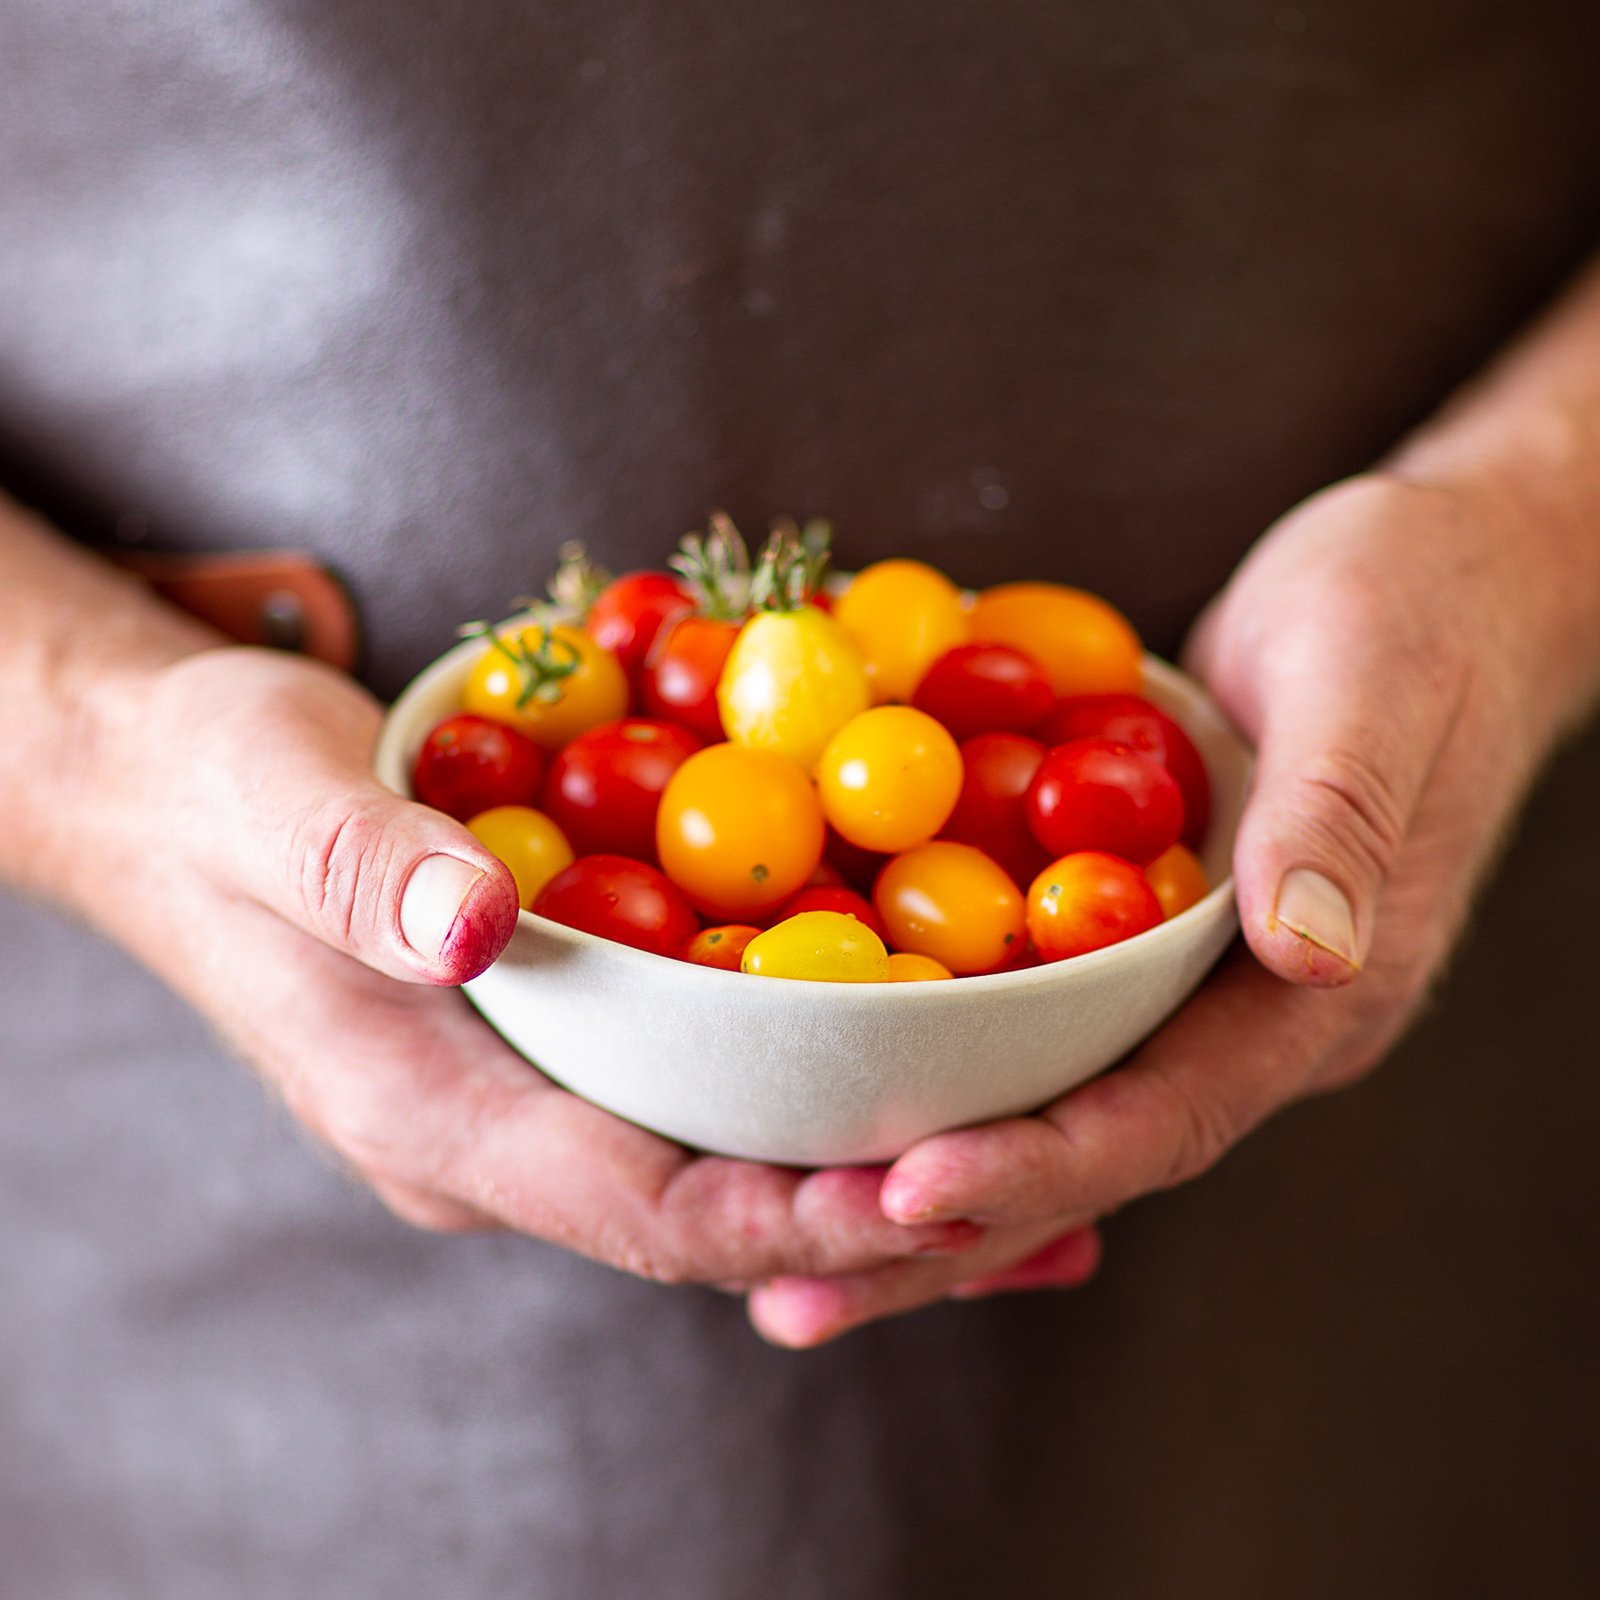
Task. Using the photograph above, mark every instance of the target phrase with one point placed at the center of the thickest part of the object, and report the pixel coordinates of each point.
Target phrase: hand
(250, 857)
(1381, 647)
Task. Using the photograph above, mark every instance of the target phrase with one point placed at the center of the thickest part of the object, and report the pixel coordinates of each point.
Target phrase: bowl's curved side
(809, 1073)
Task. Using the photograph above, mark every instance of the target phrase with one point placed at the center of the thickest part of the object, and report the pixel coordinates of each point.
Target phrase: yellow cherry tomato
(825, 946)
(951, 902)
(529, 843)
(1084, 645)
(1178, 879)
(739, 830)
(890, 778)
(791, 681)
(551, 685)
(907, 967)
(902, 616)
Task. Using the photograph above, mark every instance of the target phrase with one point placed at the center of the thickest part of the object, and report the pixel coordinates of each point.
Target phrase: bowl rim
(1045, 975)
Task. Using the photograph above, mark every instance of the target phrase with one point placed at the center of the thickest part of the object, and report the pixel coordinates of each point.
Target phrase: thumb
(1350, 710)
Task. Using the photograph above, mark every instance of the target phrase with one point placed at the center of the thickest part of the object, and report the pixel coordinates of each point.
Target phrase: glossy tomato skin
(829, 897)
(953, 903)
(984, 688)
(1097, 794)
(628, 613)
(620, 899)
(906, 967)
(605, 788)
(680, 675)
(1178, 879)
(1134, 721)
(889, 778)
(823, 946)
(991, 810)
(469, 764)
(533, 848)
(1084, 645)
(901, 616)
(1086, 901)
(739, 831)
(720, 947)
(592, 691)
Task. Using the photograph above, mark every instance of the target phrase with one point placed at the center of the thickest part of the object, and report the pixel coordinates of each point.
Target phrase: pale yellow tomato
(551, 686)
(791, 681)
(907, 967)
(951, 902)
(902, 616)
(529, 843)
(825, 946)
(1178, 879)
(1084, 645)
(889, 778)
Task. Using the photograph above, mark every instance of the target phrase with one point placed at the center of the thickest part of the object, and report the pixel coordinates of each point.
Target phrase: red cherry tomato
(991, 811)
(829, 897)
(1134, 721)
(469, 764)
(622, 900)
(1086, 901)
(1097, 794)
(679, 680)
(722, 947)
(604, 788)
(628, 613)
(984, 688)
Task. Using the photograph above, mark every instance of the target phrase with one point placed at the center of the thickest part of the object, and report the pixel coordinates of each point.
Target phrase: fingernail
(1311, 906)
(432, 900)
(901, 1202)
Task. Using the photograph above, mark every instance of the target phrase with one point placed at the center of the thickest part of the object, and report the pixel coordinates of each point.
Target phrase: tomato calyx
(716, 567)
(792, 565)
(542, 669)
(577, 581)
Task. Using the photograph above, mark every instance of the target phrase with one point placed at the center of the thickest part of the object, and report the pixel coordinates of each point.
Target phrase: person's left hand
(1386, 649)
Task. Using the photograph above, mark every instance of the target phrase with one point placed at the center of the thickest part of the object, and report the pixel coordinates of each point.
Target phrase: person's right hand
(248, 855)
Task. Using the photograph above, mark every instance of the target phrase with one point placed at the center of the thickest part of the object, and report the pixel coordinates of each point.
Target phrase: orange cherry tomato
(1086, 901)
(739, 830)
(905, 966)
(720, 947)
(1084, 645)
(889, 778)
(549, 684)
(1178, 879)
(951, 902)
(902, 616)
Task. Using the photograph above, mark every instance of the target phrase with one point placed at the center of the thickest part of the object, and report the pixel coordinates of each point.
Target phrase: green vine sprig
(716, 566)
(792, 565)
(577, 582)
(543, 668)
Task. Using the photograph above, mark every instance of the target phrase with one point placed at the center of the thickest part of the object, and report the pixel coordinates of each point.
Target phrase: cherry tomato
(739, 830)
(529, 843)
(792, 680)
(1134, 721)
(951, 902)
(720, 947)
(549, 684)
(1086, 901)
(826, 876)
(902, 616)
(681, 672)
(907, 967)
(619, 899)
(990, 811)
(889, 778)
(1178, 879)
(856, 867)
(827, 897)
(984, 688)
(468, 764)
(824, 946)
(1084, 645)
(605, 787)
(1097, 794)
(628, 613)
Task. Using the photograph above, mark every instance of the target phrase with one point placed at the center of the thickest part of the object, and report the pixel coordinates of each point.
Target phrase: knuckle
(1200, 1133)
(1355, 806)
(339, 860)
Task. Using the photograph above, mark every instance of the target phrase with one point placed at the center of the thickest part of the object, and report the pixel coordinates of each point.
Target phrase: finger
(431, 1212)
(1350, 700)
(1064, 1263)
(288, 812)
(802, 1312)
(1244, 1046)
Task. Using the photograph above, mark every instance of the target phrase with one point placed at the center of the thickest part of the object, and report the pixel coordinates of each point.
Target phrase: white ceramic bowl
(818, 1073)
